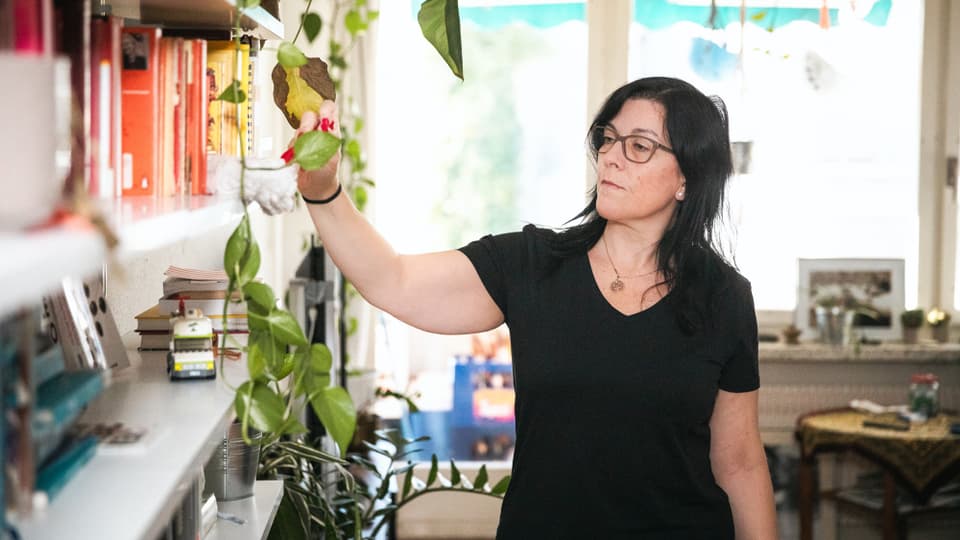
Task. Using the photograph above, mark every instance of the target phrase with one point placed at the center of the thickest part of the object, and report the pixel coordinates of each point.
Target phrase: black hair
(690, 256)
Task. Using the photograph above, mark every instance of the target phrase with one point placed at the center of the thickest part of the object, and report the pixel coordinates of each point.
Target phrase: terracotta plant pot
(910, 335)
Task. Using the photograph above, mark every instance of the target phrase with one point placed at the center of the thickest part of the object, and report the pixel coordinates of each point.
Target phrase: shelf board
(146, 223)
(258, 511)
(132, 493)
(35, 263)
(199, 15)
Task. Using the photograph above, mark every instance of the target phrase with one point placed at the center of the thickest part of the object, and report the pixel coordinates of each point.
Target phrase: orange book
(140, 82)
(169, 99)
(105, 120)
(196, 116)
(180, 118)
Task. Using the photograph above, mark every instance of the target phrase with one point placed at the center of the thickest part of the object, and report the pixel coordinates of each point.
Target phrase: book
(159, 340)
(196, 116)
(155, 319)
(140, 89)
(176, 272)
(225, 65)
(60, 401)
(105, 110)
(53, 476)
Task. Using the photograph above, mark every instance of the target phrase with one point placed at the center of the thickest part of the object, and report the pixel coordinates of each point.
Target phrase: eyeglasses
(636, 148)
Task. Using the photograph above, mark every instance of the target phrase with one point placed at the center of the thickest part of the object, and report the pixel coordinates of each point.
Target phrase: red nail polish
(326, 124)
(288, 155)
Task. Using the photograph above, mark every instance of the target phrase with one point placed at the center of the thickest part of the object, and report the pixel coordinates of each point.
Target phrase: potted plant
(337, 495)
(939, 321)
(910, 321)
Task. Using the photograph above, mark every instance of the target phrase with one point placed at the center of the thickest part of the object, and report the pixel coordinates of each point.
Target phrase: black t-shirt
(612, 411)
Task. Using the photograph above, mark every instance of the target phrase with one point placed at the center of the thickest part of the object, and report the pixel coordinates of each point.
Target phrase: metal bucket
(835, 325)
(232, 470)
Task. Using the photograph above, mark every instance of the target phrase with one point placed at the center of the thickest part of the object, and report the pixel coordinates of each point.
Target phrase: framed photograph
(872, 288)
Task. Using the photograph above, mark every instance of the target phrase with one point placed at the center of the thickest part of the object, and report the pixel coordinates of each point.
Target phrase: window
(833, 156)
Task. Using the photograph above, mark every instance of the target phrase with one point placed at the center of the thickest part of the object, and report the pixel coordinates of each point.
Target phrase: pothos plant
(286, 371)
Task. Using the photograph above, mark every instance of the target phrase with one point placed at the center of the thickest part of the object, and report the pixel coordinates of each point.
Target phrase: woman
(634, 342)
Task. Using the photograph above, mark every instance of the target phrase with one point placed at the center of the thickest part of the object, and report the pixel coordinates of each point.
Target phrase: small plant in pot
(939, 321)
(910, 322)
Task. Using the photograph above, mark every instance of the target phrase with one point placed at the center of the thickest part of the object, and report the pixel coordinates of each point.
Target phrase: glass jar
(925, 394)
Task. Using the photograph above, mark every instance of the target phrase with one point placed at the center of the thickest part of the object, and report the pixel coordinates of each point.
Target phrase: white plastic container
(35, 139)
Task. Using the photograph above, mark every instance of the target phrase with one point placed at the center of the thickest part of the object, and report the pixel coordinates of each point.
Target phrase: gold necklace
(617, 284)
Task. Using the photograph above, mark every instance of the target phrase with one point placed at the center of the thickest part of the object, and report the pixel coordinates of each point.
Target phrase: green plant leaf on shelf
(360, 197)
(312, 24)
(269, 353)
(501, 487)
(313, 149)
(286, 366)
(287, 525)
(440, 23)
(241, 258)
(312, 365)
(481, 480)
(259, 297)
(454, 473)
(290, 56)
(264, 408)
(256, 365)
(233, 93)
(280, 324)
(301, 97)
(352, 149)
(335, 409)
(434, 467)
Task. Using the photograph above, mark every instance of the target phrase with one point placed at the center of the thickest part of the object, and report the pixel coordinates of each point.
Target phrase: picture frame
(871, 286)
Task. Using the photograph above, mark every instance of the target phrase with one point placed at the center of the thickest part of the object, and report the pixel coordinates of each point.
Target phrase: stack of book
(40, 402)
(205, 290)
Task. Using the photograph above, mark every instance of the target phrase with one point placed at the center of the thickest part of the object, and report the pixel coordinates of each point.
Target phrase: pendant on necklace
(616, 285)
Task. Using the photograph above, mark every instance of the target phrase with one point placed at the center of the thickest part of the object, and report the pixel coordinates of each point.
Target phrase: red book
(140, 82)
(105, 109)
(196, 116)
(32, 26)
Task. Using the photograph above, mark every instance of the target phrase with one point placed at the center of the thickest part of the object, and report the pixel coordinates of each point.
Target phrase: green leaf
(247, 4)
(287, 524)
(280, 324)
(454, 473)
(358, 125)
(360, 197)
(352, 325)
(249, 264)
(352, 148)
(354, 23)
(290, 56)
(259, 297)
(312, 24)
(236, 247)
(434, 466)
(335, 409)
(233, 93)
(373, 15)
(286, 366)
(313, 369)
(501, 486)
(269, 351)
(313, 149)
(440, 23)
(481, 478)
(265, 408)
(407, 484)
(256, 364)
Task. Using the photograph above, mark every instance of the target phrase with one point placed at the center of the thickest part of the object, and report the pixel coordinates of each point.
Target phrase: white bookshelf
(33, 264)
(146, 223)
(199, 15)
(133, 493)
(257, 512)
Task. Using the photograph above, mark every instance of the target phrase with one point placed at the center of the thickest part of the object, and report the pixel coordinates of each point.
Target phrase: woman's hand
(319, 183)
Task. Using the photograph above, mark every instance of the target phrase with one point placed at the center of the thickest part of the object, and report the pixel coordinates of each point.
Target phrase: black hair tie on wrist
(323, 201)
